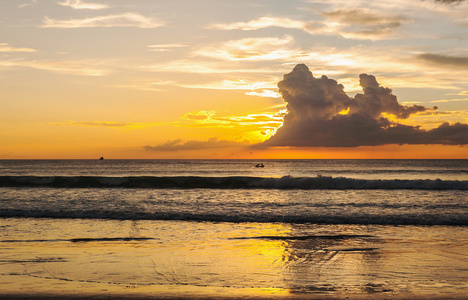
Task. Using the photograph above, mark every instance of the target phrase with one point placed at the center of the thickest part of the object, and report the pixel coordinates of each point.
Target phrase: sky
(220, 79)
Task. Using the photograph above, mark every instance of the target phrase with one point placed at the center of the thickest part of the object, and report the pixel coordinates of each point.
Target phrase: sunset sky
(199, 79)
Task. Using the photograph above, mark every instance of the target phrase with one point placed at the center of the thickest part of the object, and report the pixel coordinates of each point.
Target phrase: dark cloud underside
(450, 1)
(445, 60)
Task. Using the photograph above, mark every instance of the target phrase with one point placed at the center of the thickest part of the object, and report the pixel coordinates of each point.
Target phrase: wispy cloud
(277, 50)
(211, 143)
(262, 89)
(445, 60)
(128, 125)
(204, 67)
(449, 100)
(31, 3)
(271, 119)
(363, 16)
(251, 49)
(5, 48)
(84, 68)
(165, 47)
(265, 94)
(232, 85)
(119, 20)
(399, 68)
(450, 1)
(265, 22)
(259, 121)
(154, 86)
(199, 115)
(353, 24)
(363, 23)
(79, 4)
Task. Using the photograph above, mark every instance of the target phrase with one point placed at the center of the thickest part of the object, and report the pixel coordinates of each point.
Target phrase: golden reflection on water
(240, 259)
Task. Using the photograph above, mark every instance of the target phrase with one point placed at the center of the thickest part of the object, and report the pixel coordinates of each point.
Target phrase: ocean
(320, 229)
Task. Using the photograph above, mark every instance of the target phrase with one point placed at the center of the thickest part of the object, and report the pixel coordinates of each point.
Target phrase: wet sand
(83, 259)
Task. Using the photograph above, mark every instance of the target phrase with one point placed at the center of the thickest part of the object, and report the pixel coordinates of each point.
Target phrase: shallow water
(397, 207)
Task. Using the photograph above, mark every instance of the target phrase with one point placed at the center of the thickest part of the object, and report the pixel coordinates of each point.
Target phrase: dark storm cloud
(445, 60)
(321, 114)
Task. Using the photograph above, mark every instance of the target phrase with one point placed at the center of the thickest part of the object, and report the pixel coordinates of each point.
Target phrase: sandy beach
(186, 260)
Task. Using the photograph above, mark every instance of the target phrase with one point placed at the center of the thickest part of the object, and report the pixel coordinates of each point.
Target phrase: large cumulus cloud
(321, 114)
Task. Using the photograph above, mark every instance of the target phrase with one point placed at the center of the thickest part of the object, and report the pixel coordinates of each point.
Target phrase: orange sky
(198, 79)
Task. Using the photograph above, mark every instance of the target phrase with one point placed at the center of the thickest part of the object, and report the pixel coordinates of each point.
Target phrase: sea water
(212, 228)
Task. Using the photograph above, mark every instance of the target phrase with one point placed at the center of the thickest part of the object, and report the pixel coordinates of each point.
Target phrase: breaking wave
(231, 182)
(435, 218)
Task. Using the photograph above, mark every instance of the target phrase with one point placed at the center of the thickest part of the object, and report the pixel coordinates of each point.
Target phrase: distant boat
(260, 165)
(102, 158)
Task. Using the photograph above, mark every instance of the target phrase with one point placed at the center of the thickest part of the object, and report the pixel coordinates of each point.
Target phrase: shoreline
(183, 296)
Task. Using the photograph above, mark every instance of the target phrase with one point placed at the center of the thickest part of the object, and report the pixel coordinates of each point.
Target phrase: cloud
(271, 49)
(450, 1)
(253, 122)
(79, 4)
(110, 124)
(377, 100)
(251, 49)
(211, 143)
(64, 67)
(450, 100)
(266, 119)
(363, 16)
(321, 114)
(154, 86)
(265, 94)
(203, 67)
(353, 24)
(31, 3)
(165, 47)
(199, 115)
(363, 23)
(119, 20)
(265, 22)
(444, 60)
(228, 84)
(5, 48)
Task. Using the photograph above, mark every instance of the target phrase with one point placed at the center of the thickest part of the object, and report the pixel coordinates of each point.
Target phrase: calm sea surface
(313, 228)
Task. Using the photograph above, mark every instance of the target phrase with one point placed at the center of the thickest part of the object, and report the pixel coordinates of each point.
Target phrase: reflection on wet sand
(241, 260)
(371, 261)
(385, 261)
(328, 264)
(332, 264)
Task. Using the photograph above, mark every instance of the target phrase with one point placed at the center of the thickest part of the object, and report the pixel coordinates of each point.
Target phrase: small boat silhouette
(260, 165)
(101, 158)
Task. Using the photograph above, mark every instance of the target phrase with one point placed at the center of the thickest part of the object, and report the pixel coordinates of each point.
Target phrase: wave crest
(230, 182)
